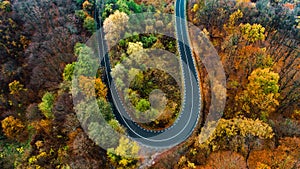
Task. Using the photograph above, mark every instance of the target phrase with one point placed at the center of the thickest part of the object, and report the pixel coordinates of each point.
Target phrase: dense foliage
(44, 60)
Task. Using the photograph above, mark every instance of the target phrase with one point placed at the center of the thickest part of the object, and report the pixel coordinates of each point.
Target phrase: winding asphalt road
(190, 111)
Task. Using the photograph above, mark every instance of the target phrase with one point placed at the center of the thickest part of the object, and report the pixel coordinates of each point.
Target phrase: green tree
(117, 126)
(138, 81)
(68, 71)
(108, 10)
(90, 24)
(80, 14)
(91, 111)
(136, 8)
(123, 7)
(148, 41)
(105, 109)
(87, 63)
(47, 104)
(79, 1)
(78, 47)
(103, 135)
(126, 6)
(132, 96)
(143, 105)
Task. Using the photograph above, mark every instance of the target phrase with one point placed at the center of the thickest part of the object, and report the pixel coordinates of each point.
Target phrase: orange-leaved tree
(14, 128)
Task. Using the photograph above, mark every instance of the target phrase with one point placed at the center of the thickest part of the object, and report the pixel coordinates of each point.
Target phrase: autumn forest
(57, 110)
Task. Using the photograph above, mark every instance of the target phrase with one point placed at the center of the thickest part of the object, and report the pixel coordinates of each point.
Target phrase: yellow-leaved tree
(252, 33)
(126, 154)
(260, 98)
(14, 128)
(92, 87)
